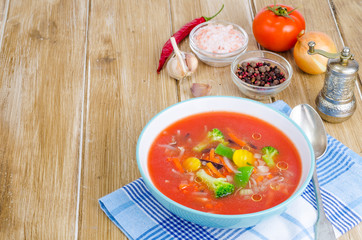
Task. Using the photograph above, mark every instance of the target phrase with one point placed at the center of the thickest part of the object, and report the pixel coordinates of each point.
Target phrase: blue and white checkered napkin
(133, 209)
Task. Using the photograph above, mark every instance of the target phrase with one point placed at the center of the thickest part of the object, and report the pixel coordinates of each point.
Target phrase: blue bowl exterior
(212, 220)
(219, 220)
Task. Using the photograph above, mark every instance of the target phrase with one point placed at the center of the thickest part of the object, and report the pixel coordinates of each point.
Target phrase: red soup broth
(264, 189)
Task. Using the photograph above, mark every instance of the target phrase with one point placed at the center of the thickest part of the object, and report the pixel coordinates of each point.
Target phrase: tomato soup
(224, 163)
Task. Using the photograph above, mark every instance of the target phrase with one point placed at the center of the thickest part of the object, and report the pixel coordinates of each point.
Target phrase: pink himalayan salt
(218, 38)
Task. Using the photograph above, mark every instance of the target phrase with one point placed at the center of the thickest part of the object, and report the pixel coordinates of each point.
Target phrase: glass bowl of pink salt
(217, 43)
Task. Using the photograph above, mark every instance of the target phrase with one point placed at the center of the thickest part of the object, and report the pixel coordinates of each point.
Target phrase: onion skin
(313, 64)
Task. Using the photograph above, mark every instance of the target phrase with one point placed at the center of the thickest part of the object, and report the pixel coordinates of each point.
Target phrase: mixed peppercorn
(260, 74)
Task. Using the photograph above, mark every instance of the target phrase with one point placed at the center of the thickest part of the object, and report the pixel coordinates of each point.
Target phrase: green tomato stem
(281, 11)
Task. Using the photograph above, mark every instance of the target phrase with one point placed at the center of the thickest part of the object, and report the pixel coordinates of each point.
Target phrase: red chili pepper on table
(179, 35)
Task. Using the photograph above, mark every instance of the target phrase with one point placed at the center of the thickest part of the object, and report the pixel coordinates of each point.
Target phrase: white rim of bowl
(224, 216)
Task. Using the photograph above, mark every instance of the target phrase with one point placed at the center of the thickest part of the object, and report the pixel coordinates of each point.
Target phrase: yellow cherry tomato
(191, 164)
(243, 158)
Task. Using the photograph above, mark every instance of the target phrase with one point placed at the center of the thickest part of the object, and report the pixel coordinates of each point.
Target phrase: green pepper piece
(241, 179)
(225, 151)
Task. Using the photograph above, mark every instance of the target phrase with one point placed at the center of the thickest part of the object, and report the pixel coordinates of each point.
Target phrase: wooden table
(78, 83)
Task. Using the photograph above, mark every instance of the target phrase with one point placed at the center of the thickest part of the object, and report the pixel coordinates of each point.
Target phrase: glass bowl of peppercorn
(261, 74)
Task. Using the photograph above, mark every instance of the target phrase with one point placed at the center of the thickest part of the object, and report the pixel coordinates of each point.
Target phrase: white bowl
(231, 104)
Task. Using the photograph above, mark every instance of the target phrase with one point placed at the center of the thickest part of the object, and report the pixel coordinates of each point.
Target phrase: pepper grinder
(336, 101)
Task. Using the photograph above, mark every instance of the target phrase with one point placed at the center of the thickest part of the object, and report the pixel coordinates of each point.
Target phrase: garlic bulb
(181, 64)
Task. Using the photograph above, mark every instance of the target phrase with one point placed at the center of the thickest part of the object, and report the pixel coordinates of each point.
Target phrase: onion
(263, 169)
(256, 197)
(313, 64)
(167, 146)
(228, 163)
(261, 163)
(200, 194)
(229, 178)
(183, 182)
(256, 136)
(176, 172)
(192, 176)
(262, 173)
(274, 179)
(182, 151)
(253, 182)
(246, 192)
(257, 155)
(282, 165)
(203, 199)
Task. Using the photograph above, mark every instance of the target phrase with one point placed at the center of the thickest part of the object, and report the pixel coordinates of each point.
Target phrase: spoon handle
(323, 227)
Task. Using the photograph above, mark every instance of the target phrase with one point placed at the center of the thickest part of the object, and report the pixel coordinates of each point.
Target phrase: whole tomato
(276, 27)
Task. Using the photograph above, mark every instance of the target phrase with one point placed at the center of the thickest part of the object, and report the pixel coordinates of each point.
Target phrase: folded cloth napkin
(133, 209)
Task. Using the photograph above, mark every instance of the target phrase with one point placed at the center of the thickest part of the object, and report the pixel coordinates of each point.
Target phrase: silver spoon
(308, 119)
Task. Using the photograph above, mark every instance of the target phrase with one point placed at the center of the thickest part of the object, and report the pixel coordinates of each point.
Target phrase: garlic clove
(200, 89)
(174, 69)
(191, 62)
(181, 64)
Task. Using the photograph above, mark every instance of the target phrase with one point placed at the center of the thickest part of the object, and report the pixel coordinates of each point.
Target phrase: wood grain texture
(124, 93)
(41, 85)
(349, 20)
(78, 83)
(4, 6)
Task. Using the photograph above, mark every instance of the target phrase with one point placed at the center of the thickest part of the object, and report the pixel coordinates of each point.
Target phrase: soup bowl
(249, 107)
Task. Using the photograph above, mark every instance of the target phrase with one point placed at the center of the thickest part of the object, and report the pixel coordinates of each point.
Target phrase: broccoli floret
(214, 135)
(269, 153)
(219, 186)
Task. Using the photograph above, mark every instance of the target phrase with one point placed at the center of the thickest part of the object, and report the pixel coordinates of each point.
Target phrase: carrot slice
(212, 153)
(208, 205)
(260, 178)
(214, 170)
(208, 171)
(177, 163)
(238, 141)
(225, 165)
(212, 156)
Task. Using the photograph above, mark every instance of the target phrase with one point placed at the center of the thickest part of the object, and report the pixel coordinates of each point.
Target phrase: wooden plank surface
(349, 19)
(3, 14)
(41, 85)
(124, 93)
(79, 82)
